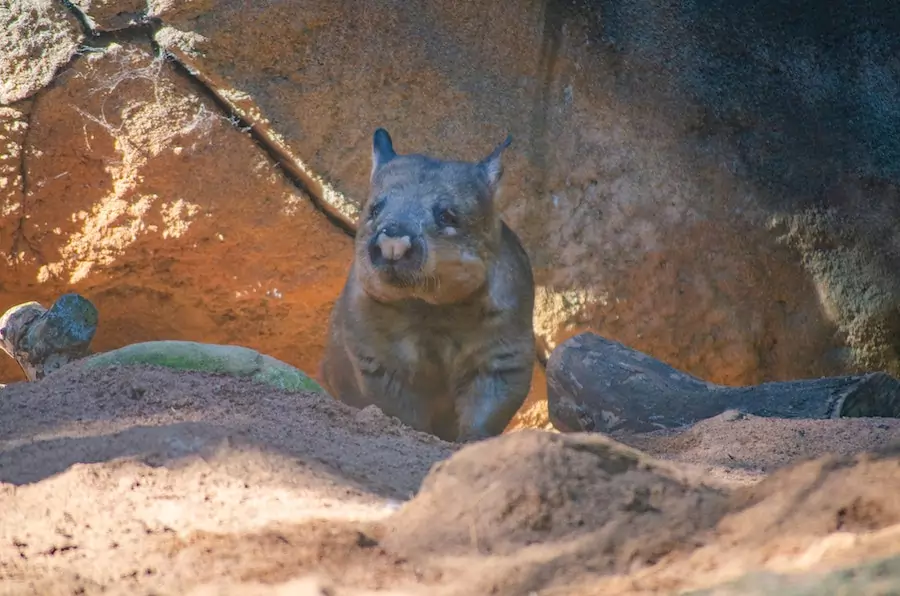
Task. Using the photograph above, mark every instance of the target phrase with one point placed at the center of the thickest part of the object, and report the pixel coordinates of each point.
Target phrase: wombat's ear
(492, 165)
(382, 149)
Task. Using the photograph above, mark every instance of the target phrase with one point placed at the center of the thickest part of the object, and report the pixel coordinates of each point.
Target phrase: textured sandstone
(37, 37)
(110, 15)
(145, 199)
(13, 129)
(641, 184)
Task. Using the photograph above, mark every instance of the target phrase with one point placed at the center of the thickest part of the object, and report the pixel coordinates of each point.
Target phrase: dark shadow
(797, 101)
(544, 100)
(160, 417)
(169, 446)
(152, 445)
(803, 93)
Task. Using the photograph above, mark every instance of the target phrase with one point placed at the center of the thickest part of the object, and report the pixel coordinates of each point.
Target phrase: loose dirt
(142, 480)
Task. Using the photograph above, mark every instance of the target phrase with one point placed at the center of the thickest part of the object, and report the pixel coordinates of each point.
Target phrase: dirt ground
(141, 480)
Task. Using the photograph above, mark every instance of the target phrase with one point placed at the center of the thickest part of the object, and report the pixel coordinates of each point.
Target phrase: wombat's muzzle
(397, 248)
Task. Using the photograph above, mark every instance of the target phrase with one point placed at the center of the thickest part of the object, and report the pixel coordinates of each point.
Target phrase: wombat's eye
(376, 208)
(445, 217)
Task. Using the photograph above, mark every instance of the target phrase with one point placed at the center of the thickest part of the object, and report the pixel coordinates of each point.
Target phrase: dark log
(595, 384)
(43, 340)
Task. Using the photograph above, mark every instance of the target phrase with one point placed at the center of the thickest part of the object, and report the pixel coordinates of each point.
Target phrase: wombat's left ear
(492, 165)
(382, 149)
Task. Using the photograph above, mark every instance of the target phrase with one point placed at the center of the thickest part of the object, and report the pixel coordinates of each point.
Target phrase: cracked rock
(149, 202)
(13, 128)
(641, 190)
(37, 37)
(111, 15)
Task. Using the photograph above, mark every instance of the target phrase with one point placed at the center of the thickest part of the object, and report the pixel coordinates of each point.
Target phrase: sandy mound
(140, 480)
(156, 415)
(818, 497)
(534, 487)
(736, 448)
(131, 478)
(807, 518)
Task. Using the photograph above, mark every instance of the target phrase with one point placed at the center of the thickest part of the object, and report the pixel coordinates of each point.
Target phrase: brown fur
(441, 338)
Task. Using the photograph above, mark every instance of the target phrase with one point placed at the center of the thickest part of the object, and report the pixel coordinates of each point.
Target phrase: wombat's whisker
(432, 283)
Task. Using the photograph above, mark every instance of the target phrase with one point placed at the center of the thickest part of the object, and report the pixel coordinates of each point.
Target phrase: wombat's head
(429, 229)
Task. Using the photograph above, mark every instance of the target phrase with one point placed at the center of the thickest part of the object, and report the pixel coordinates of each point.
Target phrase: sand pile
(533, 487)
(735, 448)
(141, 480)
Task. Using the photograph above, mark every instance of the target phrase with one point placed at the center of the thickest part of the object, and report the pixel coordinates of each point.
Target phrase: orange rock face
(140, 195)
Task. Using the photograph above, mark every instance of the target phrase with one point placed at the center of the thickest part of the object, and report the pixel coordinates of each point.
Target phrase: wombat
(434, 323)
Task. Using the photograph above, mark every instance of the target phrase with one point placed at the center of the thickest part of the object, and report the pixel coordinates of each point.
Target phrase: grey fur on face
(428, 225)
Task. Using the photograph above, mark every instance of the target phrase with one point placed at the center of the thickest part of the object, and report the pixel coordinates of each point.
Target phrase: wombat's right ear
(382, 149)
(492, 166)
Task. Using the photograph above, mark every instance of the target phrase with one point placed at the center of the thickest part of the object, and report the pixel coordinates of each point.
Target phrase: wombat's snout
(397, 247)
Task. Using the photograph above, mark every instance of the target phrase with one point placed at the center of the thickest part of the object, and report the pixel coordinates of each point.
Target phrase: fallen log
(595, 384)
(42, 340)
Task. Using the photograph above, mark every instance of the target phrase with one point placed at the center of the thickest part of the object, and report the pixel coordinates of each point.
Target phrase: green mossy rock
(236, 361)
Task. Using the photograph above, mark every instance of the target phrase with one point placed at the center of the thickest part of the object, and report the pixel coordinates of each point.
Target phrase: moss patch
(230, 360)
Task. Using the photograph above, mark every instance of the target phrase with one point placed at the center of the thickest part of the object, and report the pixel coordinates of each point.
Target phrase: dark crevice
(155, 24)
(19, 236)
(99, 38)
(263, 143)
(79, 16)
(141, 33)
(541, 111)
(146, 30)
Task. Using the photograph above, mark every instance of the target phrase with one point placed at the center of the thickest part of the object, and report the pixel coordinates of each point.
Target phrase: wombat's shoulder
(513, 249)
(512, 279)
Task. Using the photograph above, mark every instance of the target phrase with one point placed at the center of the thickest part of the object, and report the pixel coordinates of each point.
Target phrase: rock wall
(133, 189)
(672, 166)
(713, 183)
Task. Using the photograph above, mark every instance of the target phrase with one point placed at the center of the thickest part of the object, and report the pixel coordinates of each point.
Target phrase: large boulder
(713, 186)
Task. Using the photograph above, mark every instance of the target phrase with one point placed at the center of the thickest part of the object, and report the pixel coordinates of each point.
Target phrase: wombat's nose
(393, 248)
(393, 242)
